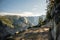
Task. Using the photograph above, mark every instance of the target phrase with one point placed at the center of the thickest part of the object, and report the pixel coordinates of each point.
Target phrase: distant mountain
(18, 23)
(14, 23)
(33, 20)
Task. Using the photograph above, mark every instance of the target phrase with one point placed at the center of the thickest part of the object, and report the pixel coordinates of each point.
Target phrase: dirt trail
(34, 34)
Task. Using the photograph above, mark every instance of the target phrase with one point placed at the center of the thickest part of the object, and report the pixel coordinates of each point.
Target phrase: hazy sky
(24, 7)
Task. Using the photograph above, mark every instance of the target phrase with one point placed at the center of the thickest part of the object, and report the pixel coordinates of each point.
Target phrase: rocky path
(33, 34)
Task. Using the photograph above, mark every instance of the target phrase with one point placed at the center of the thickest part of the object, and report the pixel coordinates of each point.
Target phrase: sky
(23, 7)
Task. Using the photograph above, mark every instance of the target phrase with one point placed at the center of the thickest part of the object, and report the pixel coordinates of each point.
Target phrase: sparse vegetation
(6, 21)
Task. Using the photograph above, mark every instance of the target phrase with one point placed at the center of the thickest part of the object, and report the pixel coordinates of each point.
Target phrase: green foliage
(29, 27)
(48, 16)
(49, 9)
(40, 21)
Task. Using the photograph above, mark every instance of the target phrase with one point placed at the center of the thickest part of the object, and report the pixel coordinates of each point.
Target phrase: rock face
(33, 20)
(56, 17)
(3, 32)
